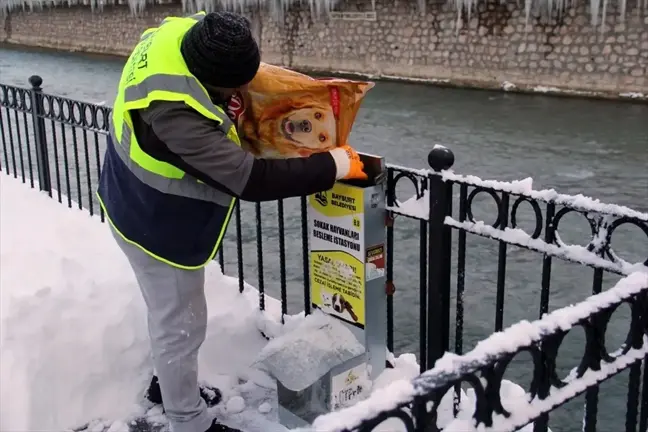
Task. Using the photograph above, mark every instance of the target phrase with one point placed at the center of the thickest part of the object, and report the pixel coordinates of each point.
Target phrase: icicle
(278, 8)
(527, 14)
(622, 9)
(471, 6)
(421, 5)
(604, 16)
(459, 7)
(595, 6)
(562, 7)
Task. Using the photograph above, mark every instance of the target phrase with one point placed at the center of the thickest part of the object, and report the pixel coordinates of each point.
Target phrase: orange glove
(348, 163)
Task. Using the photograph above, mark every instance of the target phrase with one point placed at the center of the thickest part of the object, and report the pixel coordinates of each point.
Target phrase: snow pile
(74, 342)
(556, 90)
(71, 317)
(523, 333)
(312, 349)
(413, 207)
(508, 86)
(634, 95)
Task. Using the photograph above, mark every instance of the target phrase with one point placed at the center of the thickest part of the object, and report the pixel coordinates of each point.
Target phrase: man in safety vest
(172, 172)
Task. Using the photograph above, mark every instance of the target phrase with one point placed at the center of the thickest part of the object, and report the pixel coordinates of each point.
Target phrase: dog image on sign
(336, 304)
(285, 114)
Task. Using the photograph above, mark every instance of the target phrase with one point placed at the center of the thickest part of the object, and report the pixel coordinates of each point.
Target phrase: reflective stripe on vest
(156, 71)
(174, 84)
(186, 186)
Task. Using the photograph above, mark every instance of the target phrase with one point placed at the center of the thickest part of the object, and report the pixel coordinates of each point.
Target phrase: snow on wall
(598, 9)
(521, 334)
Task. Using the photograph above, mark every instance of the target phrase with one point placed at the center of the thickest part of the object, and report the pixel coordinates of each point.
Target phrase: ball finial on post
(35, 81)
(440, 158)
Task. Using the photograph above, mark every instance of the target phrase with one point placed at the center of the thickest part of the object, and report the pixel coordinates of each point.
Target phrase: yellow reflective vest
(152, 204)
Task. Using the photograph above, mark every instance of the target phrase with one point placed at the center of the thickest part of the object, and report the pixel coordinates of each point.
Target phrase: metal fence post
(439, 250)
(40, 138)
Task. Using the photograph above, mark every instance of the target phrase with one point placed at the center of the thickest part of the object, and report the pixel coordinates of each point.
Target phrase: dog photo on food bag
(288, 114)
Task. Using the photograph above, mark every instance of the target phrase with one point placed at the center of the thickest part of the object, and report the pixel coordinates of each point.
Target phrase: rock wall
(112, 31)
(491, 48)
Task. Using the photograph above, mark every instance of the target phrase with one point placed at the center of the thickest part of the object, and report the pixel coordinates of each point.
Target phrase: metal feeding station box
(347, 282)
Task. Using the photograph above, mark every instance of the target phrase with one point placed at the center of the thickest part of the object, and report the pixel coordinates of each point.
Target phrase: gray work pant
(177, 323)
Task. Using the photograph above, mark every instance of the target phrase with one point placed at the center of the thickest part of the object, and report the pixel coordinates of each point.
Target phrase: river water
(597, 148)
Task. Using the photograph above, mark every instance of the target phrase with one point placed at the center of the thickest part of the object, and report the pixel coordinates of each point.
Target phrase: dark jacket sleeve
(176, 134)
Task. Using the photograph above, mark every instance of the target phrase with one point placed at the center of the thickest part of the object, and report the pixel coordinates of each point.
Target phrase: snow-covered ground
(73, 337)
(74, 343)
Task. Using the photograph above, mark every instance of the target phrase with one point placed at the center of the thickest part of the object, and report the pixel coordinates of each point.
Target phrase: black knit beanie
(220, 51)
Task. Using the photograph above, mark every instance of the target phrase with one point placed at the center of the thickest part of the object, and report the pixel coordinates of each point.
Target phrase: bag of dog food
(288, 114)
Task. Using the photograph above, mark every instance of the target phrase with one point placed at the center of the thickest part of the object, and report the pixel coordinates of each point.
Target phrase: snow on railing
(574, 253)
(603, 218)
(418, 207)
(451, 368)
(525, 187)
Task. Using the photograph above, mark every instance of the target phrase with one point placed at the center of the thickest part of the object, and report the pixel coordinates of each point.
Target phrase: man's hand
(348, 163)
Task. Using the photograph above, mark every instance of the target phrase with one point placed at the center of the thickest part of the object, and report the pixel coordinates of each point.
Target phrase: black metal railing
(435, 201)
(43, 134)
(483, 370)
(58, 143)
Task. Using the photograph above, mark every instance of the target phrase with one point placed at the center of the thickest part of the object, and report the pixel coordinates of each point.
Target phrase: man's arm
(198, 146)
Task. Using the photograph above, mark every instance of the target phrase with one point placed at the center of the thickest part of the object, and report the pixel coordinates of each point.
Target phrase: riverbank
(632, 97)
(495, 49)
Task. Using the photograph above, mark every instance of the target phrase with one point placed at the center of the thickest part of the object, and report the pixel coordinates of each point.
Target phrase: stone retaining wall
(491, 49)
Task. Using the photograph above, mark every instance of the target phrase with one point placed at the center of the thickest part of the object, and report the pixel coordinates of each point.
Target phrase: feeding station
(347, 284)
